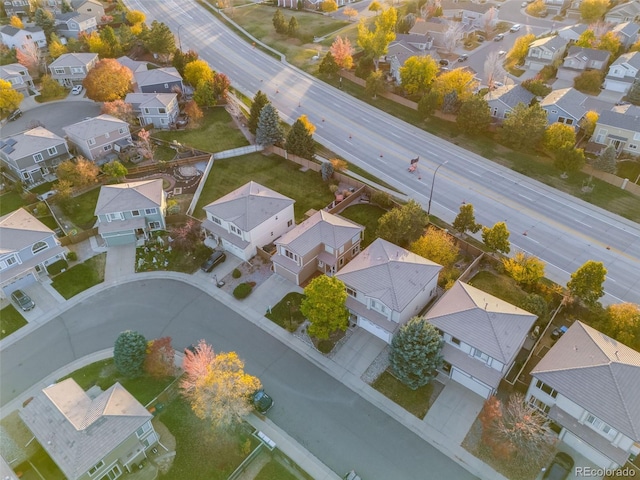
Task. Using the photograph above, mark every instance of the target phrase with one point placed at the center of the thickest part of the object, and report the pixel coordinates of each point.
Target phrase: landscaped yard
(306, 188)
(10, 321)
(366, 215)
(216, 133)
(9, 202)
(501, 286)
(81, 277)
(167, 258)
(81, 210)
(416, 402)
(288, 316)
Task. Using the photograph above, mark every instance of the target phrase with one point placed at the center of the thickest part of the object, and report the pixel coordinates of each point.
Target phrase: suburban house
(406, 46)
(89, 7)
(97, 138)
(573, 32)
(16, 38)
(627, 32)
(157, 109)
(626, 12)
(158, 80)
(554, 7)
(580, 59)
(545, 51)
(588, 384)
(32, 156)
(435, 28)
(27, 246)
(622, 72)
(622, 130)
(72, 24)
(482, 335)
(386, 286)
(130, 211)
(19, 8)
(566, 105)
(18, 76)
(574, 10)
(133, 65)
(90, 435)
(322, 243)
(503, 100)
(251, 216)
(468, 13)
(70, 69)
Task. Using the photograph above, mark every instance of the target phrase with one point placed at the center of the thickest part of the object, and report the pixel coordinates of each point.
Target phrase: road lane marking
(525, 197)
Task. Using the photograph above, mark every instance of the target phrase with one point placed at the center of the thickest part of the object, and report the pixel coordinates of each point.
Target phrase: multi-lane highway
(560, 229)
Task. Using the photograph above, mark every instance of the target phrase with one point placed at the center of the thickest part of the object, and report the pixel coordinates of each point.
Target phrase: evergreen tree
(65, 7)
(181, 60)
(569, 159)
(474, 115)
(204, 95)
(111, 42)
(327, 171)
(300, 138)
(259, 101)
(44, 19)
(450, 102)
(292, 28)
(129, 353)
(428, 104)
(375, 83)
(415, 353)
(329, 66)
(269, 131)
(279, 22)
(160, 39)
(606, 161)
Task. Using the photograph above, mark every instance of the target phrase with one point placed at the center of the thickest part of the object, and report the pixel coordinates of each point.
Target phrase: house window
(25, 175)
(291, 255)
(566, 121)
(38, 247)
(480, 355)
(58, 71)
(163, 121)
(114, 216)
(112, 474)
(147, 111)
(149, 211)
(135, 213)
(162, 110)
(166, 85)
(379, 307)
(540, 405)
(122, 130)
(235, 230)
(289, 223)
(143, 429)
(599, 425)
(554, 111)
(455, 341)
(341, 261)
(632, 146)
(328, 249)
(355, 239)
(351, 292)
(341, 250)
(52, 150)
(546, 389)
(92, 141)
(96, 467)
(77, 70)
(216, 220)
(355, 250)
(154, 225)
(108, 147)
(494, 112)
(38, 157)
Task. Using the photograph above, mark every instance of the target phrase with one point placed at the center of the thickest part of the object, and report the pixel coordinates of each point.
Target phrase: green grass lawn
(416, 402)
(10, 321)
(81, 208)
(216, 133)
(81, 277)
(10, 202)
(501, 286)
(366, 215)
(275, 471)
(287, 316)
(42, 188)
(629, 169)
(306, 188)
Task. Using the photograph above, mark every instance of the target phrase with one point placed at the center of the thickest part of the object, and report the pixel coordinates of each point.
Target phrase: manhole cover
(177, 190)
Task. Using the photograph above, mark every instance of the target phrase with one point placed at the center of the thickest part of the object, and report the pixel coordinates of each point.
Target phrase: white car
(502, 53)
(517, 26)
(77, 90)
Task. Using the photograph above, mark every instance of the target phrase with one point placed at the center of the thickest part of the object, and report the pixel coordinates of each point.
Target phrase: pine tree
(259, 101)
(428, 104)
(279, 22)
(606, 161)
(300, 139)
(129, 353)
(292, 28)
(65, 7)
(329, 65)
(269, 131)
(44, 19)
(415, 353)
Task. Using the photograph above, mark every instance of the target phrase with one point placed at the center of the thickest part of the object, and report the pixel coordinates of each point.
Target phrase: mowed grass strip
(10, 321)
(81, 277)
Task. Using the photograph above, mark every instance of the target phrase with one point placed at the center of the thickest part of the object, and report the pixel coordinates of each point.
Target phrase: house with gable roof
(70, 69)
(96, 138)
(580, 59)
(620, 129)
(89, 7)
(18, 76)
(627, 32)
(573, 32)
(482, 334)
(14, 37)
(133, 65)
(72, 24)
(158, 109)
(158, 80)
(27, 246)
(386, 286)
(623, 72)
(588, 384)
(20, 8)
(128, 212)
(322, 243)
(545, 51)
(566, 105)
(249, 217)
(89, 435)
(624, 12)
(503, 100)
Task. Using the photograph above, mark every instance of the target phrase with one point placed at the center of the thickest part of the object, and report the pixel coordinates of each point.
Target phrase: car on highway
(463, 58)
(77, 90)
(23, 300)
(560, 468)
(16, 114)
(499, 37)
(214, 259)
(262, 402)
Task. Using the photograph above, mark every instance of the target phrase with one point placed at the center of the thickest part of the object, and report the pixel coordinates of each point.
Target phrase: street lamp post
(433, 181)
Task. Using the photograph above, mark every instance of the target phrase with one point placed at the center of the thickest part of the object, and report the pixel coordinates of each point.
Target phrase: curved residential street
(560, 229)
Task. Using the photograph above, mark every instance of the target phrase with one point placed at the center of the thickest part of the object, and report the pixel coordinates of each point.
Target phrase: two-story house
(624, 12)
(482, 335)
(32, 156)
(568, 106)
(386, 286)
(27, 246)
(249, 217)
(588, 384)
(72, 24)
(133, 65)
(545, 51)
(18, 76)
(468, 13)
(572, 32)
(620, 129)
(627, 32)
(503, 100)
(158, 80)
(128, 212)
(17, 38)
(19, 8)
(70, 69)
(89, 7)
(90, 435)
(435, 28)
(322, 243)
(580, 59)
(98, 137)
(622, 72)
(158, 109)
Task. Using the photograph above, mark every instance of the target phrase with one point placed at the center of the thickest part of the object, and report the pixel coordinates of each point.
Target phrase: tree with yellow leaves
(623, 323)
(524, 269)
(16, 22)
(56, 48)
(437, 246)
(459, 80)
(9, 98)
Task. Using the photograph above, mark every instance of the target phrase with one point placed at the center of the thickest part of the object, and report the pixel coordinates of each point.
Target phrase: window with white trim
(355, 250)
(147, 111)
(351, 292)
(455, 341)
(135, 213)
(91, 141)
(38, 247)
(480, 355)
(216, 220)
(143, 429)
(379, 307)
(162, 110)
(112, 474)
(632, 146)
(149, 211)
(290, 255)
(540, 385)
(154, 225)
(597, 424)
(58, 71)
(52, 150)
(107, 147)
(166, 85)
(539, 404)
(114, 216)
(77, 70)
(328, 249)
(106, 135)
(96, 467)
(122, 130)
(289, 223)
(235, 230)
(38, 157)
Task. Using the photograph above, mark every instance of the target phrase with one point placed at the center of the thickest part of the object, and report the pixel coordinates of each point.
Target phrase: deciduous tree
(591, 10)
(437, 246)
(79, 172)
(489, 20)
(15, 22)
(129, 353)
(145, 145)
(375, 43)
(194, 112)
(458, 80)
(259, 101)
(606, 161)
(589, 82)
(186, 236)
(111, 42)
(30, 56)
(342, 52)
(465, 221)
(119, 109)
(611, 42)
(453, 36)
(375, 84)
(56, 48)
(474, 115)
(415, 356)
(524, 127)
(428, 104)
(493, 69)
(203, 94)
(587, 282)
(520, 48)
(403, 225)
(558, 134)
(329, 66)
(329, 6)
(300, 138)
(269, 131)
(417, 74)
(622, 322)
(221, 84)
(324, 306)
(568, 158)
(159, 361)
(181, 60)
(534, 303)
(350, 13)
(197, 71)
(588, 122)
(525, 269)
(10, 99)
(65, 7)
(116, 170)
(135, 16)
(496, 238)
(107, 81)
(50, 88)
(537, 87)
(537, 8)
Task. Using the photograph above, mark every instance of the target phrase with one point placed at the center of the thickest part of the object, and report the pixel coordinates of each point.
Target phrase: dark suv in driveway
(23, 300)
(212, 261)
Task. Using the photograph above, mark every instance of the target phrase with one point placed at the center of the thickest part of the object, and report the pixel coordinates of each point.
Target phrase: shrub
(57, 267)
(242, 291)
(236, 273)
(382, 199)
(72, 256)
(325, 346)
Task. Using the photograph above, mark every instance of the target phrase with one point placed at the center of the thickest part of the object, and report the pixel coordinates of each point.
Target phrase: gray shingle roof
(598, 373)
(133, 65)
(389, 273)
(631, 58)
(157, 76)
(483, 321)
(620, 120)
(20, 229)
(627, 28)
(588, 53)
(73, 60)
(9, 30)
(94, 127)
(124, 197)
(568, 99)
(249, 206)
(30, 142)
(150, 100)
(77, 431)
(551, 43)
(510, 95)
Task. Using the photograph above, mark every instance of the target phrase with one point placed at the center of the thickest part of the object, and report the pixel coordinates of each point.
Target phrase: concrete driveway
(271, 292)
(44, 296)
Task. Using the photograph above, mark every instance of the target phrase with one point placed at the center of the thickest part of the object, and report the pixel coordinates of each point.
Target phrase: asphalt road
(335, 424)
(561, 230)
(53, 116)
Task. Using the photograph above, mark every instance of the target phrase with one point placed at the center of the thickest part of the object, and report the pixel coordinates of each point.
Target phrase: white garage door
(471, 383)
(375, 329)
(233, 249)
(586, 450)
(19, 284)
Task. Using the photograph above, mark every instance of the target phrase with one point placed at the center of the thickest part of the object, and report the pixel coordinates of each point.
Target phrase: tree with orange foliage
(342, 52)
(108, 81)
(119, 109)
(194, 112)
(159, 361)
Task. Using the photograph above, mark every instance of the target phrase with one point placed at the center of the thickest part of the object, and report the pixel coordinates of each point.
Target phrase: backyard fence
(78, 237)
(237, 152)
(623, 183)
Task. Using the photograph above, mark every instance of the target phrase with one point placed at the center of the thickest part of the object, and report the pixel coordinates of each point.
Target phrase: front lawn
(288, 316)
(9, 202)
(274, 470)
(81, 208)
(216, 133)
(81, 277)
(366, 215)
(416, 402)
(501, 286)
(160, 256)
(306, 188)
(10, 321)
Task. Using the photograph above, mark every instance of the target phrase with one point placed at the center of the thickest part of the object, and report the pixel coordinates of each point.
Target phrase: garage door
(19, 284)
(471, 383)
(233, 249)
(586, 450)
(375, 329)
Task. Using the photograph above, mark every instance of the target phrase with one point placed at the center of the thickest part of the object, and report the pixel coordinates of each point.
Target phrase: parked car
(214, 259)
(498, 37)
(517, 26)
(262, 402)
(16, 114)
(498, 84)
(444, 62)
(560, 468)
(463, 58)
(77, 90)
(23, 300)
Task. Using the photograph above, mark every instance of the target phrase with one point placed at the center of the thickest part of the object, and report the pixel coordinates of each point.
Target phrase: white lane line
(585, 224)
(475, 173)
(525, 197)
(397, 136)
